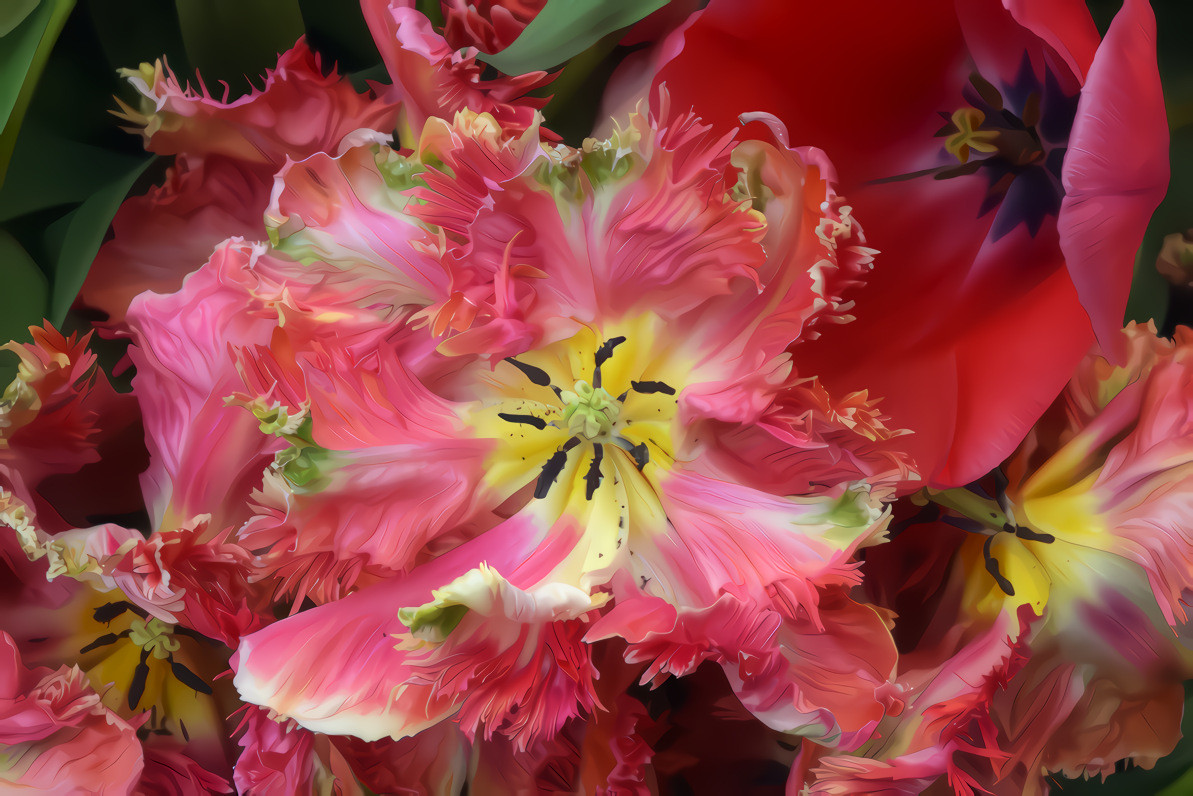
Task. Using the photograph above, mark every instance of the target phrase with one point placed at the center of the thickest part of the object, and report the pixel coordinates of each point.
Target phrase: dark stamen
(964, 524)
(606, 350)
(992, 568)
(593, 478)
(641, 455)
(189, 678)
(109, 611)
(1034, 536)
(536, 375)
(1000, 494)
(602, 356)
(648, 387)
(103, 641)
(136, 689)
(529, 420)
(553, 468)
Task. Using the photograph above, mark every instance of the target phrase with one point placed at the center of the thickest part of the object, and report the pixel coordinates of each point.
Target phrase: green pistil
(155, 636)
(982, 510)
(589, 411)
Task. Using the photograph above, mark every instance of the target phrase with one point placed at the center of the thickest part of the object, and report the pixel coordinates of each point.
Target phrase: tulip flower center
(995, 519)
(142, 660)
(1015, 137)
(579, 414)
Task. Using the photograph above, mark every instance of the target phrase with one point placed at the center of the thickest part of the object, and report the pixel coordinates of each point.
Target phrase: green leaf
(23, 300)
(1182, 787)
(567, 27)
(79, 235)
(135, 33)
(23, 56)
(231, 40)
(338, 30)
(53, 170)
(13, 13)
(1149, 291)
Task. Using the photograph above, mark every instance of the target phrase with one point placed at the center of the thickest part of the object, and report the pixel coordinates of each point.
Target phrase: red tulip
(1007, 236)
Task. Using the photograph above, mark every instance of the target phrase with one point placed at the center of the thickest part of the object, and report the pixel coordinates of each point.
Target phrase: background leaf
(23, 301)
(77, 237)
(23, 55)
(13, 13)
(231, 40)
(565, 28)
(340, 36)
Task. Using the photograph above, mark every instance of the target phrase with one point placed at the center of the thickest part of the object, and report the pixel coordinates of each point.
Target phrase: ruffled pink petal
(163, 235)
(488, 25)
(206, 456)
(398, 692)
(1116, 169)
(219, 184)
(62, 426)
(283, 758)
(675, 642)
(432, 78)
(906, 775)
(807, 438)
(185, 576)
(725, 537)
(299, 111)
(341, 210)
(370, 515)
(170, 772)
(58, 737)
(434, 761)
(663, 215)
(827, 679)
(296, 667)
(1079, 713)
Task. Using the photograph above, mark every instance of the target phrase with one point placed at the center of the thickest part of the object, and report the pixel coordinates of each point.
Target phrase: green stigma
(589, 411)
(155, 636)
